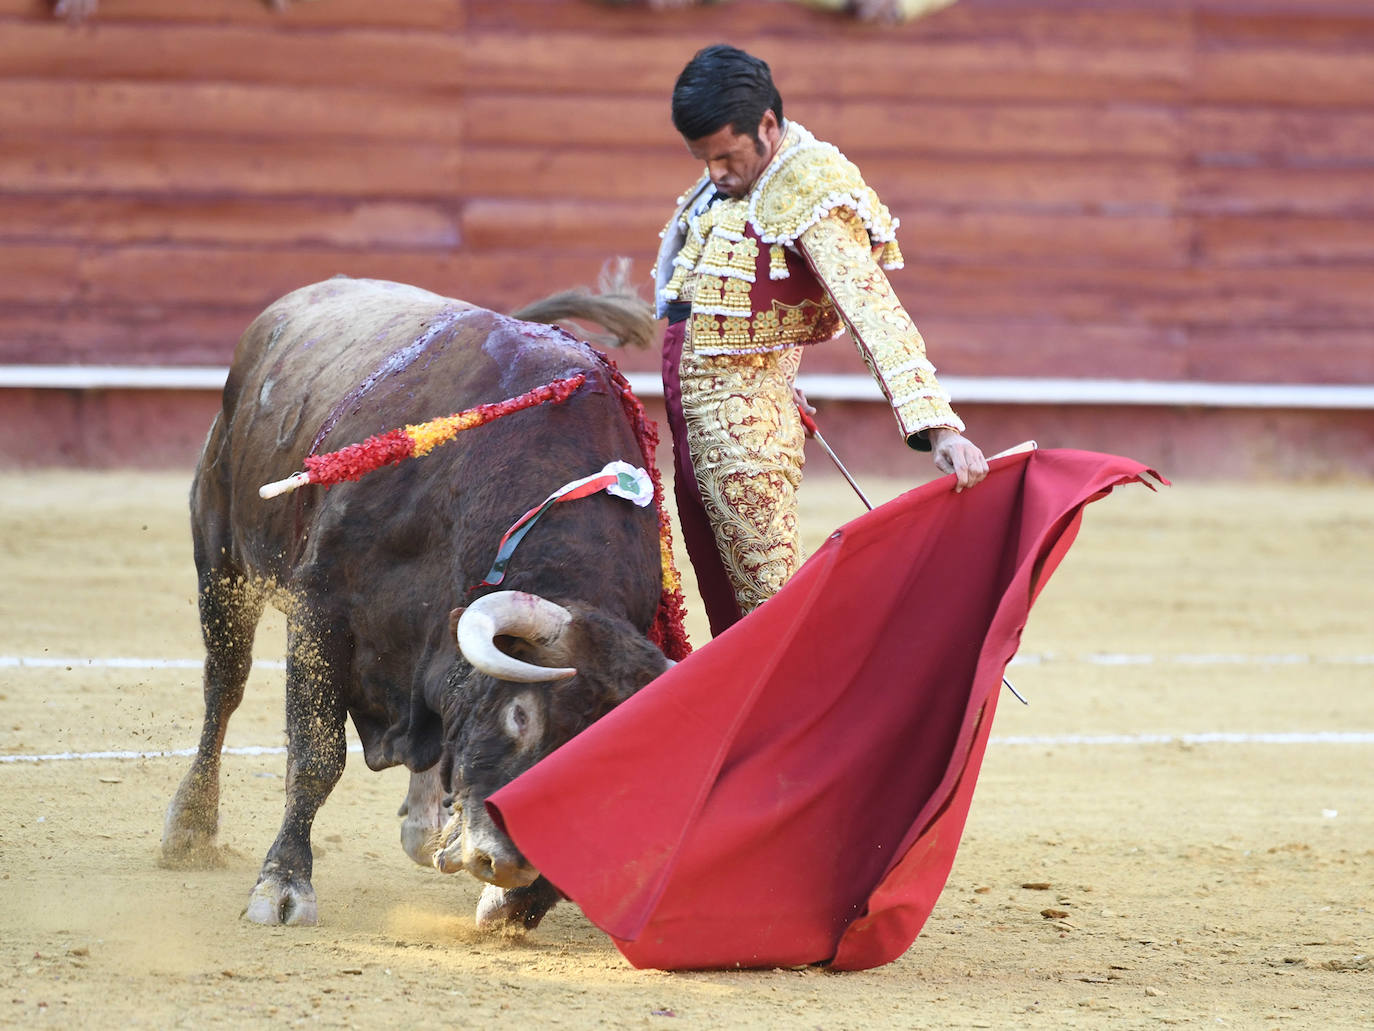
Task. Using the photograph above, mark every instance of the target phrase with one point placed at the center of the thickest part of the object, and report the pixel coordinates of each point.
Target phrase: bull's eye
(517, 720)
(520, 720)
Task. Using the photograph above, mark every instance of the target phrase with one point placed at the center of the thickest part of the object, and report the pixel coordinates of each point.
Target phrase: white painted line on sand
(1030, 659)
(58, 662)
(177, 753)
(1318, 737)
(1198, 659)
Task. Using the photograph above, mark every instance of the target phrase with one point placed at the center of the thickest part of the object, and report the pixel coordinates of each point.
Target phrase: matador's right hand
(955, 453)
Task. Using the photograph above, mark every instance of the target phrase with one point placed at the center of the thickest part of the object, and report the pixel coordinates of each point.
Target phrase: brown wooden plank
(540, 224)
(1286, 25)
(1318, 8)
(1286, 240)
(1272, 136)
(287, 167)
(914, 128)
(623, 173)
(904, 183)
(383, 224)
(1011, 238)
(875, 66)
(149, 335)
(191, 52)
(1279, 191)
(420, 14)
(1015, 347)
(130, 334)
(60, 108)
(1285, 77)
(1031, 183)
(1157, 22)
(149, 429)
(238, 276)
(1262, 355)
(940, 237)
(1332, 297)
(1295, 296)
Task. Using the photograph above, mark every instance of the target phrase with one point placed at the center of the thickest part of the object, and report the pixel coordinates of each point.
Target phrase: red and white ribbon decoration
(618, 479)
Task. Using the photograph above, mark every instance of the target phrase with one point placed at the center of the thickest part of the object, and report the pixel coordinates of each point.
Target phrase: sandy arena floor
(1142, 849)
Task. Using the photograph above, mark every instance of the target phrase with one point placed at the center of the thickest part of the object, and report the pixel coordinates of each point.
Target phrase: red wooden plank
(1279, 191)
(1263, 355)
(381, 224)
(287, 167)
(139, 333)
(148, 335)
(1016, 347)
(1295, 296)
(874, 66)
(1008, 238)
(905, 183)
(1286, 240)
(1332, 297)
(1273, 136)
(552, 170)
(1288, 24)
(1157, 22)
(1031, 183)
(1288, 77)
(938, 237)
(426, 14)
(237, 276)
(558, 224)
(133, 333)
(914, 128)
(63, 108)
(232, 53)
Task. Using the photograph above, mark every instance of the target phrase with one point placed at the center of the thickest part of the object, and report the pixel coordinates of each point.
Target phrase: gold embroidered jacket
(793, 263)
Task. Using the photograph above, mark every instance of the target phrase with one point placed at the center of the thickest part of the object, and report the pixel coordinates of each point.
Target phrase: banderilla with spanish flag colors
(357, 460)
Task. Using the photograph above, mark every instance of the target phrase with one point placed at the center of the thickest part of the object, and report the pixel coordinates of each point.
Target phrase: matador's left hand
(955, 453)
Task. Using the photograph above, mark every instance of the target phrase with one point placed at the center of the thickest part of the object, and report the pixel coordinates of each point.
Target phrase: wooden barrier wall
(1161, 189)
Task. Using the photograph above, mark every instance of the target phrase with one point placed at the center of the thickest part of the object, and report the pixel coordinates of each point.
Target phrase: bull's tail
(615, 306)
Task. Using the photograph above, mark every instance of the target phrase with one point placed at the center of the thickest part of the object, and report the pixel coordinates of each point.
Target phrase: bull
(467, 688)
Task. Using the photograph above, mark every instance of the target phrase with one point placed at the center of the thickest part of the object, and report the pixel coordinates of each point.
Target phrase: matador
(779, 246)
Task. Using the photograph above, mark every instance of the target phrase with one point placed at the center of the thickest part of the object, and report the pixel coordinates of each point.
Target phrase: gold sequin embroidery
(746, 443)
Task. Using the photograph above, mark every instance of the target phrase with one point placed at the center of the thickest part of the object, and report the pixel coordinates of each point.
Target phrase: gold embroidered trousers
(743, 449)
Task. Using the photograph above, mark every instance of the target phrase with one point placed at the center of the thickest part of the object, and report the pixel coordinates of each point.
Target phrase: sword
(813, 431)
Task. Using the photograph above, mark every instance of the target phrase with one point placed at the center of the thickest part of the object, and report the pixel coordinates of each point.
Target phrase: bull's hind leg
(316, 662)
(229, 612)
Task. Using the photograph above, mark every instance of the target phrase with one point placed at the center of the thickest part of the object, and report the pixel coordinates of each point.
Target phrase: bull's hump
(530, 354)
(415, 342)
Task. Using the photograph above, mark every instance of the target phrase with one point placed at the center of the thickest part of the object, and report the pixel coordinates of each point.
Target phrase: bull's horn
(516, 614)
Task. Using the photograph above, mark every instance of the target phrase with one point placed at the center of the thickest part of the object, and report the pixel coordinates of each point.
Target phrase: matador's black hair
(722, 85)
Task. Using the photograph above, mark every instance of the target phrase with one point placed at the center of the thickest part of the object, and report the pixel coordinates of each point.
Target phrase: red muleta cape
(794, 791)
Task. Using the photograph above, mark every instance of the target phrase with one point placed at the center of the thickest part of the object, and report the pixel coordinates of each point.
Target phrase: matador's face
(736, 160)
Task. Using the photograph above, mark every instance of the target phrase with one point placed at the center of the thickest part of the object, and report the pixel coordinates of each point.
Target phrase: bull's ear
(453, 618)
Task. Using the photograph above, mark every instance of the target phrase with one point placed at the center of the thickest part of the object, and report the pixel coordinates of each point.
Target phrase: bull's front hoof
(276, 901)
(515, 910)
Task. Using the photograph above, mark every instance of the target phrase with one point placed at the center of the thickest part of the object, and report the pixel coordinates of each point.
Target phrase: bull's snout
(482, 852)
(502, 871)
